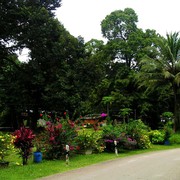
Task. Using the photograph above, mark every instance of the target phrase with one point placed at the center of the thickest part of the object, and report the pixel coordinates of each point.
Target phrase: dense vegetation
(135, 75)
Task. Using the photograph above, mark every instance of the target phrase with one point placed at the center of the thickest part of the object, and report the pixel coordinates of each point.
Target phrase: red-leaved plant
(23, 141)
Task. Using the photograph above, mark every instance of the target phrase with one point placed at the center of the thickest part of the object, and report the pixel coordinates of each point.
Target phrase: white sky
(83, 17)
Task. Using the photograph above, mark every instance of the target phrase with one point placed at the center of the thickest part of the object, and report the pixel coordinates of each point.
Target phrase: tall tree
(119, 24)
(164, 69)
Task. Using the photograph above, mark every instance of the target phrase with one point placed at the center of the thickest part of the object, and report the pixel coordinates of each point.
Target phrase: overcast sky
(83, 17)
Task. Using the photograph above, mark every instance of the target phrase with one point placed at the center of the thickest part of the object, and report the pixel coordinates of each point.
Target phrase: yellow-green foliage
(157, 136)
(89, 140)
(5, 145)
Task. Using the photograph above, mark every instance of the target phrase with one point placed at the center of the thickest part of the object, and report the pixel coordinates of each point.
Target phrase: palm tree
(164, 69)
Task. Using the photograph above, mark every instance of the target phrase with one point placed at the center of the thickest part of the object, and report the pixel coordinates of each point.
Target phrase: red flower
(59, 126)
(65, 113)
(41, 115)
(51, 138)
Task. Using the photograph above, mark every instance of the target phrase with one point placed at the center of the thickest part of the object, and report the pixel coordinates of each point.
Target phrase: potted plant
(5, 147)
(23, 138)
(40, 144)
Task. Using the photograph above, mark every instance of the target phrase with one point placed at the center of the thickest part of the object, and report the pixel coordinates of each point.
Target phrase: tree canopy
(65, 73)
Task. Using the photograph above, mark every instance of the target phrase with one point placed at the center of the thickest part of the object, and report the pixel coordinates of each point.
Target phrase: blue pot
(37, 157)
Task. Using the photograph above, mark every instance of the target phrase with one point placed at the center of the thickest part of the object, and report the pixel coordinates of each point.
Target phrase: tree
(164, 70)
(119, 24)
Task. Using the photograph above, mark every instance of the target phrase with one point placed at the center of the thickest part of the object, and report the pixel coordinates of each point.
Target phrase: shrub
(130, 144)
(137, 130)
(90, 140)
(23, 138)
(5, 145)
(59, 134)
(144, 142)
(111, 132)
(175, 138)
(157, 136)
(168, 129)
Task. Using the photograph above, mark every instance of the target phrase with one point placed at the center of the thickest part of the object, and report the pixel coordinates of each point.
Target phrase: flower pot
(4, 164)
(88, 151)
(167, 142)
(37, 157)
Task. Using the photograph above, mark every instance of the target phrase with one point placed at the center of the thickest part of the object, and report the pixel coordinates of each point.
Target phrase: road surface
(160, 165)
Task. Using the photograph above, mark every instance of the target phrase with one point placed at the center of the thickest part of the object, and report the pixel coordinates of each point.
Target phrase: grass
(45, 168)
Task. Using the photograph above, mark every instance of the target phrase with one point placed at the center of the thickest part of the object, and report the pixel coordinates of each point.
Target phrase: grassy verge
(45, 168)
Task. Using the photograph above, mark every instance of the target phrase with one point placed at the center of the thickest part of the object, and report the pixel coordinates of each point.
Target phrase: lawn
(45, 168)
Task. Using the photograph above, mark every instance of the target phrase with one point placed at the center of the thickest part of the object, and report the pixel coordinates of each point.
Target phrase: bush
(58, 134)
(111, 132)
(89, 140)
(157, 136)
(23, 140)
(5, 145)
(175, 138)
(137, 130)
(168, 129)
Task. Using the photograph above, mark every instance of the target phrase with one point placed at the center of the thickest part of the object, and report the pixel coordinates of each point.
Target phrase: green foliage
(57, 133)
(163, 69)
(144, 141)
(111, 132)
(175, 138)
(89, 140)
(136, 131)
(168, 129)
(157, 136)
(6, 145)
(168, 116)
(119, 24)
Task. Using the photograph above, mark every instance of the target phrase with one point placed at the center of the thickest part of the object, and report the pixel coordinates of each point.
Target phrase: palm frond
(177, 79)
(168, 75)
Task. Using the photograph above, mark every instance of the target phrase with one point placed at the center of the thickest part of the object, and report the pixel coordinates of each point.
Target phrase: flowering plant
(130, 143)
(5, 145)
(89, 140)
(59, 134)
(23, 138)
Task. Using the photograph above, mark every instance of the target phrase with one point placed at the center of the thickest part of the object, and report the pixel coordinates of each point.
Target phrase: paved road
(161, 165)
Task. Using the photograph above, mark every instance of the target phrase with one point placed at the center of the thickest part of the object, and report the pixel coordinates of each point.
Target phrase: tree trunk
(177, 112)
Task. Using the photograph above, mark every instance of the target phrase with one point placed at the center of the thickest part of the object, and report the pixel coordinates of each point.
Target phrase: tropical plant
(23, 140)
(164, 69)
(59, 134)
